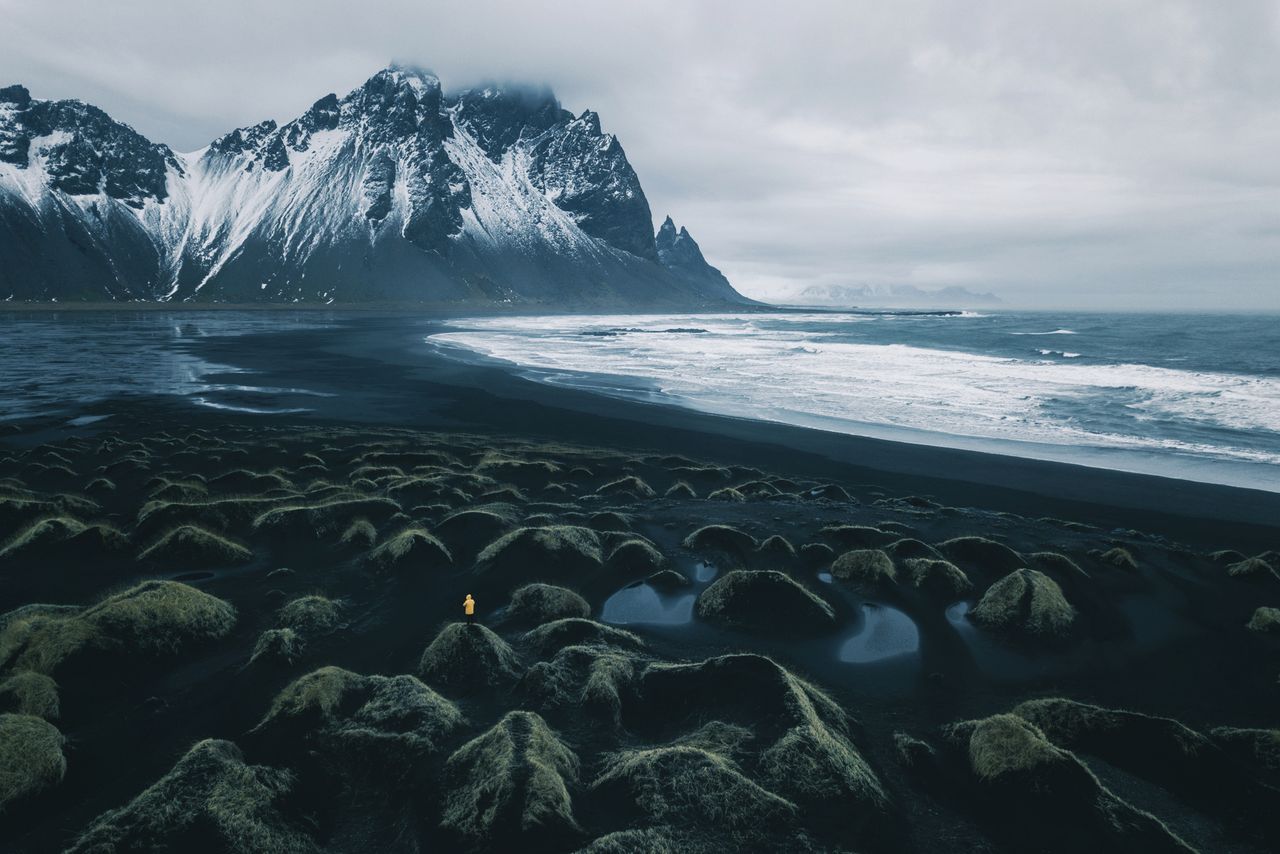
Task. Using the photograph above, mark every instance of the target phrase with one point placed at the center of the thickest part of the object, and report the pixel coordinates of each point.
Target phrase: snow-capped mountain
(398, 192)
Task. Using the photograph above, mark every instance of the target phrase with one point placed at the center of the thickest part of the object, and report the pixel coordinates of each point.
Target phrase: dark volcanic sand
(1166, 638)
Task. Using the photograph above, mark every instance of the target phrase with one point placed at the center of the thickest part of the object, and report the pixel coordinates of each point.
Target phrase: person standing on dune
(469, 608)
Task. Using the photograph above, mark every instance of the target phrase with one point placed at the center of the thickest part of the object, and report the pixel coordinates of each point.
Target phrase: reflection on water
(885, 633)
(640, 603)
(704, 571)
(61, 361)
(990, 654)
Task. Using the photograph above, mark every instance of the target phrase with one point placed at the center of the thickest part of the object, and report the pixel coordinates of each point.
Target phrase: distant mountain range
(397, 192)
(898, 296)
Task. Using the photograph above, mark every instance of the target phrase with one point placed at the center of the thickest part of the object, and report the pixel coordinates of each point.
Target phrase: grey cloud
(1088, 153)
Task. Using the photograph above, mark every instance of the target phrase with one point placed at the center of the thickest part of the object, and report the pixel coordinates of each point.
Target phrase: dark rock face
(498, 118)
(679, 253)
(398, 191)
(83, 149)
(586, 173)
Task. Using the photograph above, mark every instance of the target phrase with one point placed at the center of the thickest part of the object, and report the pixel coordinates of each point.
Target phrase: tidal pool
(640, 603)
(885, 633)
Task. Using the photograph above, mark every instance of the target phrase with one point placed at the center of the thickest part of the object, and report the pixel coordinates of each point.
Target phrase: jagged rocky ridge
(396, 192)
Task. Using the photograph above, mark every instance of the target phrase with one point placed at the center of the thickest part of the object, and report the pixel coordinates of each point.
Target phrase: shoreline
(397, 355)
(382, 371)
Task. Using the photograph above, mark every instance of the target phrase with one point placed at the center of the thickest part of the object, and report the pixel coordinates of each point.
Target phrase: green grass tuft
(311, 615)
(534, 604)
(30, 693)
(865, 566)
(1265, 621)
(195, 547)
(1025, 603)
(508, 787)
(31, 757)
(210, 795)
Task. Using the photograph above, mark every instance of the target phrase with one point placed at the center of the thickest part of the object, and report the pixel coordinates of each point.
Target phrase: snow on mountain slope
(395, 192)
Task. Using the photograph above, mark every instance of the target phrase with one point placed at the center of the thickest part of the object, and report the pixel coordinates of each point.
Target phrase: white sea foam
(780, 369)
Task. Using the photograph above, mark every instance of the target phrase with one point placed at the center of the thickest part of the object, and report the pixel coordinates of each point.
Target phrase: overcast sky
(1086, 153)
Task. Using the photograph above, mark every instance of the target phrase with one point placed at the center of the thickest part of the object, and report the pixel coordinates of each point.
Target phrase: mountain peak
(418, 79)
(15, 94)
(666, 234)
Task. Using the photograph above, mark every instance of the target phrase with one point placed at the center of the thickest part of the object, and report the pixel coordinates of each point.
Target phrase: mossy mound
(40, 637)
(464, 658)
(593, 679)
(325, 517)
(468, 531)
(1257, 749)
(278, 646)
(726, 493)
(609, 520)
(311, 615)
(830, 492)
(1265, 621)
(409, 550)
(1058, 565)
(910, 548)
(1025, 604)
(817, 554)
(1044, 798)
(572, 631)
(777, 548)
(629, 485)
(535, 604)
(634, 556)
(1226, 557)
(1158, 749)
(195, 547)
(721, 540)
(211, 800)
(939, 579)
(870, 567)
(100, 486)
(554, 551)
(29, 693)
(1253, 569)
(650, 840)
(680, 489)
(359, 534)
(243, 481)
(376, 725)
(687, 786)
(508, 789)
(764, 601)
(806, 755)
(155, 617)
(62, 536)
(668, 580)
(161, 616)
(31, 757)
(1119, 557)
(857, 536)
(980, 552)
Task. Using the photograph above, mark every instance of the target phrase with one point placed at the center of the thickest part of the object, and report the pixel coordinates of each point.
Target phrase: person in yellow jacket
(469, 608)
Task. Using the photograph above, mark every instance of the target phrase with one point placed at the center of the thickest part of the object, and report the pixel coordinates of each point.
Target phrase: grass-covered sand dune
(249, 638)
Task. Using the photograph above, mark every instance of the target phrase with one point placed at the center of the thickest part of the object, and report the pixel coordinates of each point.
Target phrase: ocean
(1180, 395)
(1188, 396)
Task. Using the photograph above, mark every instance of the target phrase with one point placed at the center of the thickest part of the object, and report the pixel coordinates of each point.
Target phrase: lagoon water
(1189, 396)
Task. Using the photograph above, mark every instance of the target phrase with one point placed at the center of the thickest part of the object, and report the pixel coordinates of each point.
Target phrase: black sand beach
(886, 647)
